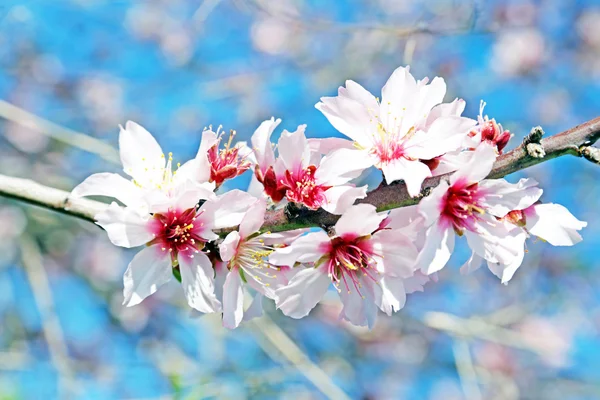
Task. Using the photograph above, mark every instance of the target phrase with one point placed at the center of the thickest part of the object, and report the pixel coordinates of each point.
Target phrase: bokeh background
(72, 70)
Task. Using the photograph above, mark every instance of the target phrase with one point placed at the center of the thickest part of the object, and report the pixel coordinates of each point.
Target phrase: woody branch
(577, 141)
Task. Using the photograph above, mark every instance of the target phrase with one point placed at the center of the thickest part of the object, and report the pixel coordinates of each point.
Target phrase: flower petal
(233, 300)
(340, 198)
(554, 223)
(341, 166)
(398, 253)
(261, 143)
(472, 264)
(307, 248)
(226, 210)
(359, 220)
(229, 245)
(197, 280)
(254, 218)
(438, 247)
(294, 149)
(478, 167)
(141, 155)
(444, 135)
(149, 269)
(413, 173)
(110, 185)
(124, 226)
(303, 292)
(502, 197)
(358, 310)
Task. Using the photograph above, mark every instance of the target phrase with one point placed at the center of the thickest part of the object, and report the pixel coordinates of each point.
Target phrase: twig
(267, 328)
(68, 136)
(466, 370)
(58, 200)
(573, 141)
(40, 286)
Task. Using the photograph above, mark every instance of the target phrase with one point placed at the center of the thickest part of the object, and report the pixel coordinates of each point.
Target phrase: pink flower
(302, 175)
(489, 131)
(152, 178)
(472, 206)
(174, 239)
(409, 126)
(552, 223)
(366, 264)
(246, 253)
(226, 163)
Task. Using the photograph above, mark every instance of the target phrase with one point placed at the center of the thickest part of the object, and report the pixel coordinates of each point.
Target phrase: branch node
(591, 154)
(535, 150)
(534, 136)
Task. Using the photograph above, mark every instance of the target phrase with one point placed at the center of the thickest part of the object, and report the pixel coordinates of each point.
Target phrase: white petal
(555, 224)
(255, 309)
(233, 300)
(254, 218)
(341, 166)
(431, 206)
(496, 241)
(197, 280)
(286, 237)
(506, 271)
(416, 283)
(141, 155)
(149, 269)
(303, 292)
(229, 245)
(227, 210)
(261, 143)
(397, 95)
(307, 248)
(359, 220)
(413, 173)
(443, 136)
(502, 197)
(478, 167)
(349, 116)
(294, 150)
(389, 295)
(454, 109)
(327, 145)
(124, 226)
(110, 185)
(358, 310)
(340, 198)
(438, 247)
(397, 251)
(472, 264)
(356, 92)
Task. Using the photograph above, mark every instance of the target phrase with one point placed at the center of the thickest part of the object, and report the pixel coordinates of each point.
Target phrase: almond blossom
(245, 254)
(550, 222)
(397, 134)
(471, 206)
(174, 239)
(228, 162)
(150, 171)
(366, 264)
(302, 175)
(489, 131)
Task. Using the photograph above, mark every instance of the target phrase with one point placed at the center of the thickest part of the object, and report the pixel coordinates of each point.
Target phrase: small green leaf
(177, 274)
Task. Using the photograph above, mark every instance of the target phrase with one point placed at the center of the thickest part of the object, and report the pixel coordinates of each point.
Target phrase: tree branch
(576, 141)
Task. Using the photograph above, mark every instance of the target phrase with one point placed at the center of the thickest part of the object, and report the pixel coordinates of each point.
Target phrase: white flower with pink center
(398, 135)
(301, 175)
(150, 171)
(245, 253)
(470, 206)
(174, 240)
(550, 222)
(366, 264)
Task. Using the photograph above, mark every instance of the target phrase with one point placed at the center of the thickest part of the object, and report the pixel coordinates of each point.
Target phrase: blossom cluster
(212, 242)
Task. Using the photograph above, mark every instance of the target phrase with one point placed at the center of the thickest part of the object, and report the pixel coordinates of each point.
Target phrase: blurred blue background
(177, 66)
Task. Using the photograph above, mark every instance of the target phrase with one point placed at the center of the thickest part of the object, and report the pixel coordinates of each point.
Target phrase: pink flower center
(462, 206)
(178, 232)
(388, 151)
(302, 188)
(349, 260)
(226, 163)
